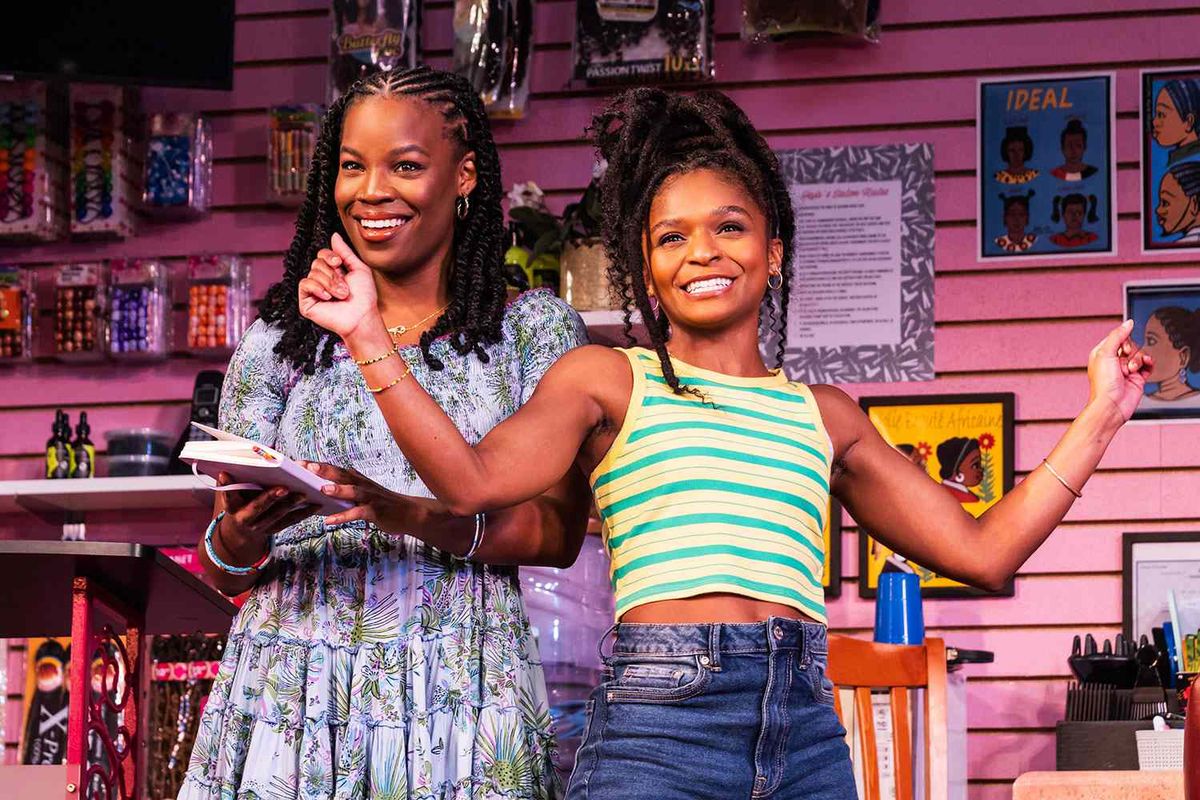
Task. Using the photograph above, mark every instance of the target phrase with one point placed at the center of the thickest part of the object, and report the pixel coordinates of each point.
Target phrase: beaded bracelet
(378, 389)
(377, 359)
(228, 568)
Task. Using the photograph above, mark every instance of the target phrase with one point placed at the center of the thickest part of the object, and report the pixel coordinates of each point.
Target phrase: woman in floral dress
(367, 662)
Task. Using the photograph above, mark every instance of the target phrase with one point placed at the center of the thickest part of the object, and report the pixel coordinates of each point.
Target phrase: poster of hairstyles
(1170, 130)
(964, 443)
(1166, 323)
(1046, 165)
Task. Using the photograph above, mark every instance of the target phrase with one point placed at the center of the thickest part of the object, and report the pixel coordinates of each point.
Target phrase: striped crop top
(728, 496)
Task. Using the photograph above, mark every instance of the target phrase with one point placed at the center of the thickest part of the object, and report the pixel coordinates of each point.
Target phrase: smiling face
(399, 175)
(709, 251)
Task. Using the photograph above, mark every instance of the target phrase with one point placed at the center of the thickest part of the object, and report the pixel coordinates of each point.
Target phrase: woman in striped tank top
(712, 472)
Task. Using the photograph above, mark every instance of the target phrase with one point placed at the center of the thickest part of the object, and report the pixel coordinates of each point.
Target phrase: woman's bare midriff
(710, 608)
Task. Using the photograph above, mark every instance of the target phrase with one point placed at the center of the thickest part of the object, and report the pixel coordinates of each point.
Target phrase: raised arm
(518, 460)
(906, 511)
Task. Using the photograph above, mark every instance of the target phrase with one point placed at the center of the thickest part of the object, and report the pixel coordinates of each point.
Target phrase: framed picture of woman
(1166, 322)
(1170, 128)
(965, 443)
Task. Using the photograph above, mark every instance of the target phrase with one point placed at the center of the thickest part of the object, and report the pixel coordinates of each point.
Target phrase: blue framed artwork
(1166, 323)
(1046, 163)
(1170, 129)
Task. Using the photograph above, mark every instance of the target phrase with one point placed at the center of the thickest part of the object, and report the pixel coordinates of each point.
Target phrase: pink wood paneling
(1024, 327)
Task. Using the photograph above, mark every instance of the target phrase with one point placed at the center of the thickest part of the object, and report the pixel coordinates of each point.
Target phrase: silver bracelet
(480, 528)
(1062, 480)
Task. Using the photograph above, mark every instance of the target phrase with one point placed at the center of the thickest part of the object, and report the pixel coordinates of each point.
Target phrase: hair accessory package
(33, 162)
(371, 36)
(769, 20)
(643, 41)
(178, 180)
(493, 43)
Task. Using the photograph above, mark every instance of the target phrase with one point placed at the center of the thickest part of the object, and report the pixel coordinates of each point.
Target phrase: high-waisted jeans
(716, 711)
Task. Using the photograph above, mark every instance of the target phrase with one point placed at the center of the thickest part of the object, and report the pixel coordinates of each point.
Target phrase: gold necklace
(400, 330)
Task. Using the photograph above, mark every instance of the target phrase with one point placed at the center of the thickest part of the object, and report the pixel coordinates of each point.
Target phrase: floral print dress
(372, 665)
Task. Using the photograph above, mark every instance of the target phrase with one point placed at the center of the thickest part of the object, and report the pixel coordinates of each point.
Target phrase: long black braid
(477, 287)
(648, 135)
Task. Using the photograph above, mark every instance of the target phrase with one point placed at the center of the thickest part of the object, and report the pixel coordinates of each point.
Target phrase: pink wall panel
(1024, 327)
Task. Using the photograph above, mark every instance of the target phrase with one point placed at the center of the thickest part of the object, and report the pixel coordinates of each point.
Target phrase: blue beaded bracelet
(221, 565)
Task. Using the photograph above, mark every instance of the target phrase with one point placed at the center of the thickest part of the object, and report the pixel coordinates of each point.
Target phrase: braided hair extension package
(33, 161)
(493, 43)
(372, 36)
(771, 20)
(643, 41)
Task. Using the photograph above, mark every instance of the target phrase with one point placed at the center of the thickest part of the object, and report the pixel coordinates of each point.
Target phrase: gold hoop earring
(775, 286)
(462, 207)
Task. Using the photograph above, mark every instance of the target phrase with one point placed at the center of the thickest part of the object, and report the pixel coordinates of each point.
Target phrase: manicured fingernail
(335, 261)
(312, 466)
(279, 492)
(328, 488)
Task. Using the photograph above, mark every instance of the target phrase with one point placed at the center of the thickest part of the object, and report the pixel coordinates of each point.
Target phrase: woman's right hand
(339, 292)
(251, 519)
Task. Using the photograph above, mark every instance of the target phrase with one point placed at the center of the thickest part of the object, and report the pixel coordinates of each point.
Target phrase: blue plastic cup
(898, 617)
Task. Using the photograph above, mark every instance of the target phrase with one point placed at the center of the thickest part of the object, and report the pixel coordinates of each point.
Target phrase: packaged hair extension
(643, 41)
(33, 162)
(105, 176)
(493, 43)
(772, 20)
(370, 36)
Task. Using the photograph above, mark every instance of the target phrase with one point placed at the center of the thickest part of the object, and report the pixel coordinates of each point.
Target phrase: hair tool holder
(102, 175)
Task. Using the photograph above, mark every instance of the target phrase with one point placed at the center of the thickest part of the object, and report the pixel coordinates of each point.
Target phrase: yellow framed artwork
(831, 573)
(963, 442)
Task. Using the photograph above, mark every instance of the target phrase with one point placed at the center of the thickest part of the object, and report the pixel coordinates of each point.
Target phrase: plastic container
(17, 302)
(218, 303)
(139, 442)
(139, 300)
(1160, 750)
(137, 466)
(290, 148)
(103, 184)
(178, 171)
(79, 306)
(33, 162)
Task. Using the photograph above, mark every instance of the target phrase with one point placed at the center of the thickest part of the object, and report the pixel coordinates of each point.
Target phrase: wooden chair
(862, 666)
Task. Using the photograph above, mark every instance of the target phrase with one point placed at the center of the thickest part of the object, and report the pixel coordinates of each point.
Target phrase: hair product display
(102, 177)
(17, 305)
(643, 41)
(769, 20)
(218, 302)
(493, 44)
(293, 139)
(372, 36)
(79, 306)
(139, 309)
(33, 164)
(178, 168)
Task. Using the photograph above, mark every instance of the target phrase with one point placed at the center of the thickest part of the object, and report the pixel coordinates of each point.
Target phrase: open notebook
(255, 466)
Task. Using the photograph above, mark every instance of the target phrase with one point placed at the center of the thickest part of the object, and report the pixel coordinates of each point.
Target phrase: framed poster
(1046, 165)
(964, 443)
(1170, 129)
(1154, 567)
(861, 301)
(1166, 322)
(831, 573)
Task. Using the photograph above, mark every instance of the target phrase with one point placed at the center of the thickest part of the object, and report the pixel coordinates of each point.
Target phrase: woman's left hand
(1117, 371)
(387, 510)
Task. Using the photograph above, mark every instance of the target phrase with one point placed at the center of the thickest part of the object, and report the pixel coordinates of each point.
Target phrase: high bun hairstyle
(649, 135)
(477, 286)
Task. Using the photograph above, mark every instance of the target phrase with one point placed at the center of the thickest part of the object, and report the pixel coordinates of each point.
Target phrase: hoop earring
(959, 477)
(654, 305)
(462, 207)
(777, 285)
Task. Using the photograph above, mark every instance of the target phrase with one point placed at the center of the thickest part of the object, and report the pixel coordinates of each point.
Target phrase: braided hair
(477, 286)
(649, 135)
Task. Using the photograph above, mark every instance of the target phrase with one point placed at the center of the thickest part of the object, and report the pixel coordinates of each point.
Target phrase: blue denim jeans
(718, 711)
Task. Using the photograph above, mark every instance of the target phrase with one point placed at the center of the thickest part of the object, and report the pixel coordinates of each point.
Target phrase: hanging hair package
(643, 41)
(493, 44)
(371, 36)
(773, 20)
